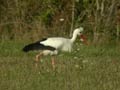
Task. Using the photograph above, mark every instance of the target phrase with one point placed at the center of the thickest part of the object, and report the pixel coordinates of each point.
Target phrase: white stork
(51, 46)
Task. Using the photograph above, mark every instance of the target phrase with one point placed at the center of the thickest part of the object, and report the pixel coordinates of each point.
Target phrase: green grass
(87, 68)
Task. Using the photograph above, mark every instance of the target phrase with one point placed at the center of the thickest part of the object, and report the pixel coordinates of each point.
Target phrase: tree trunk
(73, 14)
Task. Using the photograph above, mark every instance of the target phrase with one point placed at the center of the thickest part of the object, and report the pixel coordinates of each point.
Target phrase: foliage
(21, 18)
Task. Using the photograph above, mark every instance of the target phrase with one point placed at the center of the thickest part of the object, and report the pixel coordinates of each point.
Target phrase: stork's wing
(37, 46)
(54, 42)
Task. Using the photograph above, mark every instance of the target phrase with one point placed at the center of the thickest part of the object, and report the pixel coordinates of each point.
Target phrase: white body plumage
(62, 44)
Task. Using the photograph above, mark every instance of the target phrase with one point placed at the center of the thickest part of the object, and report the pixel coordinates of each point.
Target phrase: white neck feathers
(73, 37)
(76, 32)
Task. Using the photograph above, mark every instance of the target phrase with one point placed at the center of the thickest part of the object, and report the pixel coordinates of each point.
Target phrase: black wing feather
(37, 46)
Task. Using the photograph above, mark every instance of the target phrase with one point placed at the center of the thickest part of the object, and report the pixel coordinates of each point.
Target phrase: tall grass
(86, 68)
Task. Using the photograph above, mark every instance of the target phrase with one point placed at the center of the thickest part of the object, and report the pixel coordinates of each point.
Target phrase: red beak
(83, 39)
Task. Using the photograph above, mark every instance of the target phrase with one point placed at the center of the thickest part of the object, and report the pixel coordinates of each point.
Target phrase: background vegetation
(34, 19)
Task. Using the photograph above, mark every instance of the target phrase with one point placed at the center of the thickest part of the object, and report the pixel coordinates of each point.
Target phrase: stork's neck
(73, 37)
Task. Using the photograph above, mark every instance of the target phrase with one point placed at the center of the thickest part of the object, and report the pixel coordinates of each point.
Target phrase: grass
(86, 68)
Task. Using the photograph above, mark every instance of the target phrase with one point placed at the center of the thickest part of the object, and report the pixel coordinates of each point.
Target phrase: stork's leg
(38, 57)
(53, 62)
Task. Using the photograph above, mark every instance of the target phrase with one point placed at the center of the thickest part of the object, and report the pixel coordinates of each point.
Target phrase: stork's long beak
(83, 39)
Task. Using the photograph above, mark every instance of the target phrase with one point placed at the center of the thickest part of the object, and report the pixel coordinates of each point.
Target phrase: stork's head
(79, 32)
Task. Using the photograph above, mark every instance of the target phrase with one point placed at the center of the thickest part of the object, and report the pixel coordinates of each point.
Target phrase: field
(86, 68)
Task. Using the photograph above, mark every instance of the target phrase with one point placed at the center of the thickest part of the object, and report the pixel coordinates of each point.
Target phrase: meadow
(91, 67)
